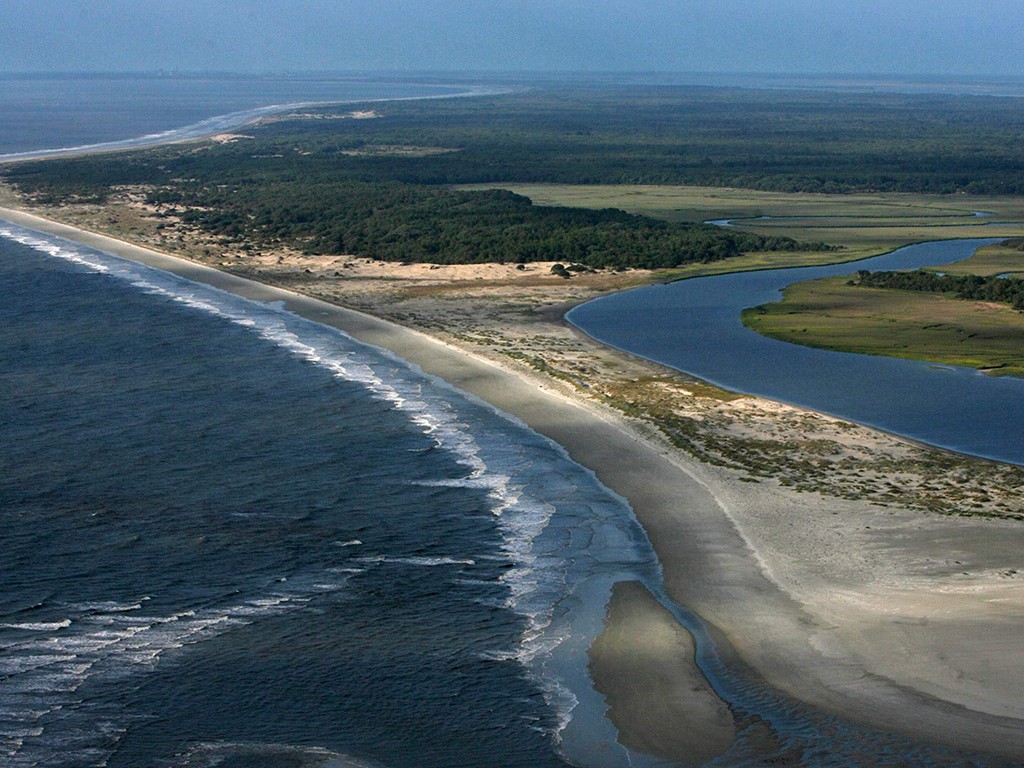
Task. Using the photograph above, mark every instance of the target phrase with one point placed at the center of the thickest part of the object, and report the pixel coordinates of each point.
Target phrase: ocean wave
(521, 517)
(112, 606)
(333, 351)
(425, 561)
(522, 486)
(41, 626)
(45, 672)
(213, 754)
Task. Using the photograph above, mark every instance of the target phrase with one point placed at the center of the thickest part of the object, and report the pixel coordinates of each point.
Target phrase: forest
(402, 222)
(1004, 290)
(387, 187)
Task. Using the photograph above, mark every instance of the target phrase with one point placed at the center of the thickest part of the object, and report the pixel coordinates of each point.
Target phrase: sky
(956, 37)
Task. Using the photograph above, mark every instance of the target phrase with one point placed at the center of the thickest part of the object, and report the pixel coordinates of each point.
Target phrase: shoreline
(699, 520)
(895, 435)
(229, 121)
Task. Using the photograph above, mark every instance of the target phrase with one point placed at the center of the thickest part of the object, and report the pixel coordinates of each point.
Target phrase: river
(694, 326)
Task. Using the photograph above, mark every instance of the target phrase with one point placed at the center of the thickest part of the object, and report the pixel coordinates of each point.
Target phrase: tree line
(402, 222)
(1005, 290)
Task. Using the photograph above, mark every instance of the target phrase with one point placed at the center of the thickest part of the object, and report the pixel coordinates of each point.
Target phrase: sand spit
(907, 621)
(643, 664)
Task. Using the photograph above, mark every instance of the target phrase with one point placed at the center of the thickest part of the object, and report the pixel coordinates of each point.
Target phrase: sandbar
(643, 664)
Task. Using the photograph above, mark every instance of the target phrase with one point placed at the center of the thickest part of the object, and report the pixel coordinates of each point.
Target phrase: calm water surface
(694, 326)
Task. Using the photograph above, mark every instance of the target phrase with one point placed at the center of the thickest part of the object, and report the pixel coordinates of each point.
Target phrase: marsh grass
(832, 314)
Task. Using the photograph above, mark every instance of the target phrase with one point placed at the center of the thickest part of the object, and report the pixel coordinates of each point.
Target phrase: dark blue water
(73, 112)
(227, 531)
(694, 326)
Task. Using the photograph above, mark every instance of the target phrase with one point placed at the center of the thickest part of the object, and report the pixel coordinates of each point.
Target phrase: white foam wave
(210, 755)
(425, 561)
(43, 626)
(111, 606)
(15, 665)
(45, 672)
(534, 583)
(335, 351)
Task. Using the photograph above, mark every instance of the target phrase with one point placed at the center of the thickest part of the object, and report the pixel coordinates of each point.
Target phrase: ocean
(231, 533)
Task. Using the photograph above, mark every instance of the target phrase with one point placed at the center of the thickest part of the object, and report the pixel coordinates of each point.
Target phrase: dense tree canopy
(401, 222)
(382, 187)
(1006, 290)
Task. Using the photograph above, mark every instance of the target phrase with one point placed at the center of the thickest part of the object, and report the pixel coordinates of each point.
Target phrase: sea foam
(45, 672)
(515, 475)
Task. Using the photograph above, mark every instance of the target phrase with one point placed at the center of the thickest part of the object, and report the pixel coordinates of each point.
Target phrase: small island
(967, 313)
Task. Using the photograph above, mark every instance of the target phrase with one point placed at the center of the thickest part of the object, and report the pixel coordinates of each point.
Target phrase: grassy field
(990, 260)
(689, 203)
(923, 326)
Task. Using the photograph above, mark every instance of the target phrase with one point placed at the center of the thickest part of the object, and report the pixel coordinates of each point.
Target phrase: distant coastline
(220, 123)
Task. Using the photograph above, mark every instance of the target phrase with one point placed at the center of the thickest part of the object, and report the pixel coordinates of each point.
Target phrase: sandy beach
(904, 620)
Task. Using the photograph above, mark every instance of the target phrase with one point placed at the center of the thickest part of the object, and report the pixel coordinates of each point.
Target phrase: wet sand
(850, 607)
(643, 663)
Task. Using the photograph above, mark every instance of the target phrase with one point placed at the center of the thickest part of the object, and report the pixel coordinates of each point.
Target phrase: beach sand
(908, 622)
(643, 664)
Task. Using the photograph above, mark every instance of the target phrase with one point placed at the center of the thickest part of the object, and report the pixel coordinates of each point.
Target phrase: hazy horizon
(776, 37)
(524, 73)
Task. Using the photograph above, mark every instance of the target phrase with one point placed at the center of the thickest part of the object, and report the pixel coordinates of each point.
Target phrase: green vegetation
(382, 187)
(403, 222)
(973, 287)
(967, 320)
(795, 211)
(1006, 258)
(771, 140)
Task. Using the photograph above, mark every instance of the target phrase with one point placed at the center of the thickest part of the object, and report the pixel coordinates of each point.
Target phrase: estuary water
(694, 326)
